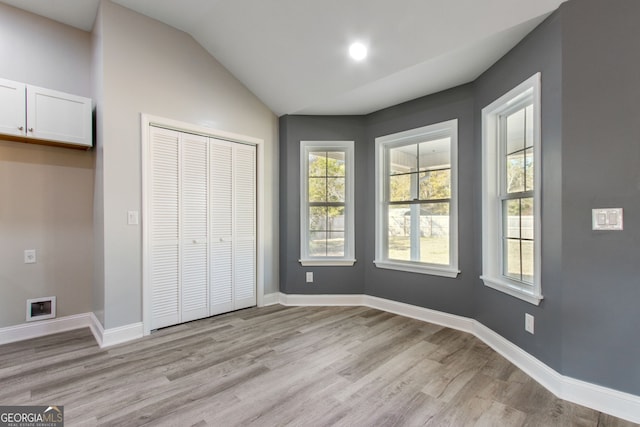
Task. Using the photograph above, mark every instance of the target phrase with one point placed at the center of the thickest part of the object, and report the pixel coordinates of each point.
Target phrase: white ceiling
(292, 54)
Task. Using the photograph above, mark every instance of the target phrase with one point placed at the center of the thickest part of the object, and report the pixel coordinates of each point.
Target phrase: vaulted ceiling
(293, 54)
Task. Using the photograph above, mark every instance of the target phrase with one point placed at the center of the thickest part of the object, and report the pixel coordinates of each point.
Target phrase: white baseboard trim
(543, 374)
(41, 328)
(420, 313)
(96, 329)
(321, 300)
(407, 310)
(603, 399)
(122, 334)
(113, 336)
(271, 299)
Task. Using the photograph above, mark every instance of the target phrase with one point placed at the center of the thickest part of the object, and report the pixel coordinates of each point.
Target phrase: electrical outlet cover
(529, 323)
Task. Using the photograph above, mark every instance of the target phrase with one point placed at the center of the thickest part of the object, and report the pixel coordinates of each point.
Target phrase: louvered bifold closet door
(244, 250)
(164, 227)
(195, 226)
(221, 202)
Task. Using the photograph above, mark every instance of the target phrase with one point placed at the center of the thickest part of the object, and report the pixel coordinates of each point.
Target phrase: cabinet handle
(20, 127)
(30, 129)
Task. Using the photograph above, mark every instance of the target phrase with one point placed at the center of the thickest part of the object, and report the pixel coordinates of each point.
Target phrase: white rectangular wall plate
(30, 256)
(132, 218)
(309, 276)
(606, 219)
(529, 323)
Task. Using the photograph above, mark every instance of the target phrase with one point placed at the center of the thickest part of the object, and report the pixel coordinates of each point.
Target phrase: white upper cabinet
(12, 108)
(57, 116)
(37, 114)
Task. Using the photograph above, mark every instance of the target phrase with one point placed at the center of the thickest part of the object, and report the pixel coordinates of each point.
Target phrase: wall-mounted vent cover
(41, 308)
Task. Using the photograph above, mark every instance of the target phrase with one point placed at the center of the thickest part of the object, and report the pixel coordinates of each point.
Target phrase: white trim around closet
(148, 120)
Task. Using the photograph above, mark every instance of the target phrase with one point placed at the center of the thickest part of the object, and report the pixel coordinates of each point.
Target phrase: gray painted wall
(327, 280)
(438, 293)
(45, 192)
(449, 295)
(601, 168)
(587, 325)
(540, 51)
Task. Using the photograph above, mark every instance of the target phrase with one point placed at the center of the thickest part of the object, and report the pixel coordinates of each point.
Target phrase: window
(327, 207)
(416, 199)
(511, 192)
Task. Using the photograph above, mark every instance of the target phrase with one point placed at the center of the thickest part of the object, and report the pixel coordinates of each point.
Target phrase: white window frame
(528, 92)
(348, 147)
(383, 144)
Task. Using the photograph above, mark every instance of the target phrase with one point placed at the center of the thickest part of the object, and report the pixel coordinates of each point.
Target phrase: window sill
(416, 268)
(511, 289)
(327, 262)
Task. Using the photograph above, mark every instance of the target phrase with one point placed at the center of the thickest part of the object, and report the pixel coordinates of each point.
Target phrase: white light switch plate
(29, 256)
(606, 219)
(132, 218)
(529, 323)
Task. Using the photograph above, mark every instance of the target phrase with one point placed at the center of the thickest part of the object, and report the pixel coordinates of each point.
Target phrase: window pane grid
(326, 231)
(517, 135)
(517, 194)
(419, 232)
(417, 202)
(326, 197)
(518, 241)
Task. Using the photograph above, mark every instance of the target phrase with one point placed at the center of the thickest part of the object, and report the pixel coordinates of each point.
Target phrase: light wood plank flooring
(274, 366)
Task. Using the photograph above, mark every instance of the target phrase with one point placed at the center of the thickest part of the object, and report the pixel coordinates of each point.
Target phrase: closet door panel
(221, 196)
(244, 175)
(221, 277)
(202, 226)
(195, 227)
(244, 170)
(221, 189)
(244, 274)
(164, 227)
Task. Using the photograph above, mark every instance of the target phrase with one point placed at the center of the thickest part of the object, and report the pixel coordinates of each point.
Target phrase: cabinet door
(195, 225)
(164, 228)
(12, 108)
(58, 116)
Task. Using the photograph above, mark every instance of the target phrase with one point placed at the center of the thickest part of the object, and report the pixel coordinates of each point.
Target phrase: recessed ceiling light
(358, 51)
